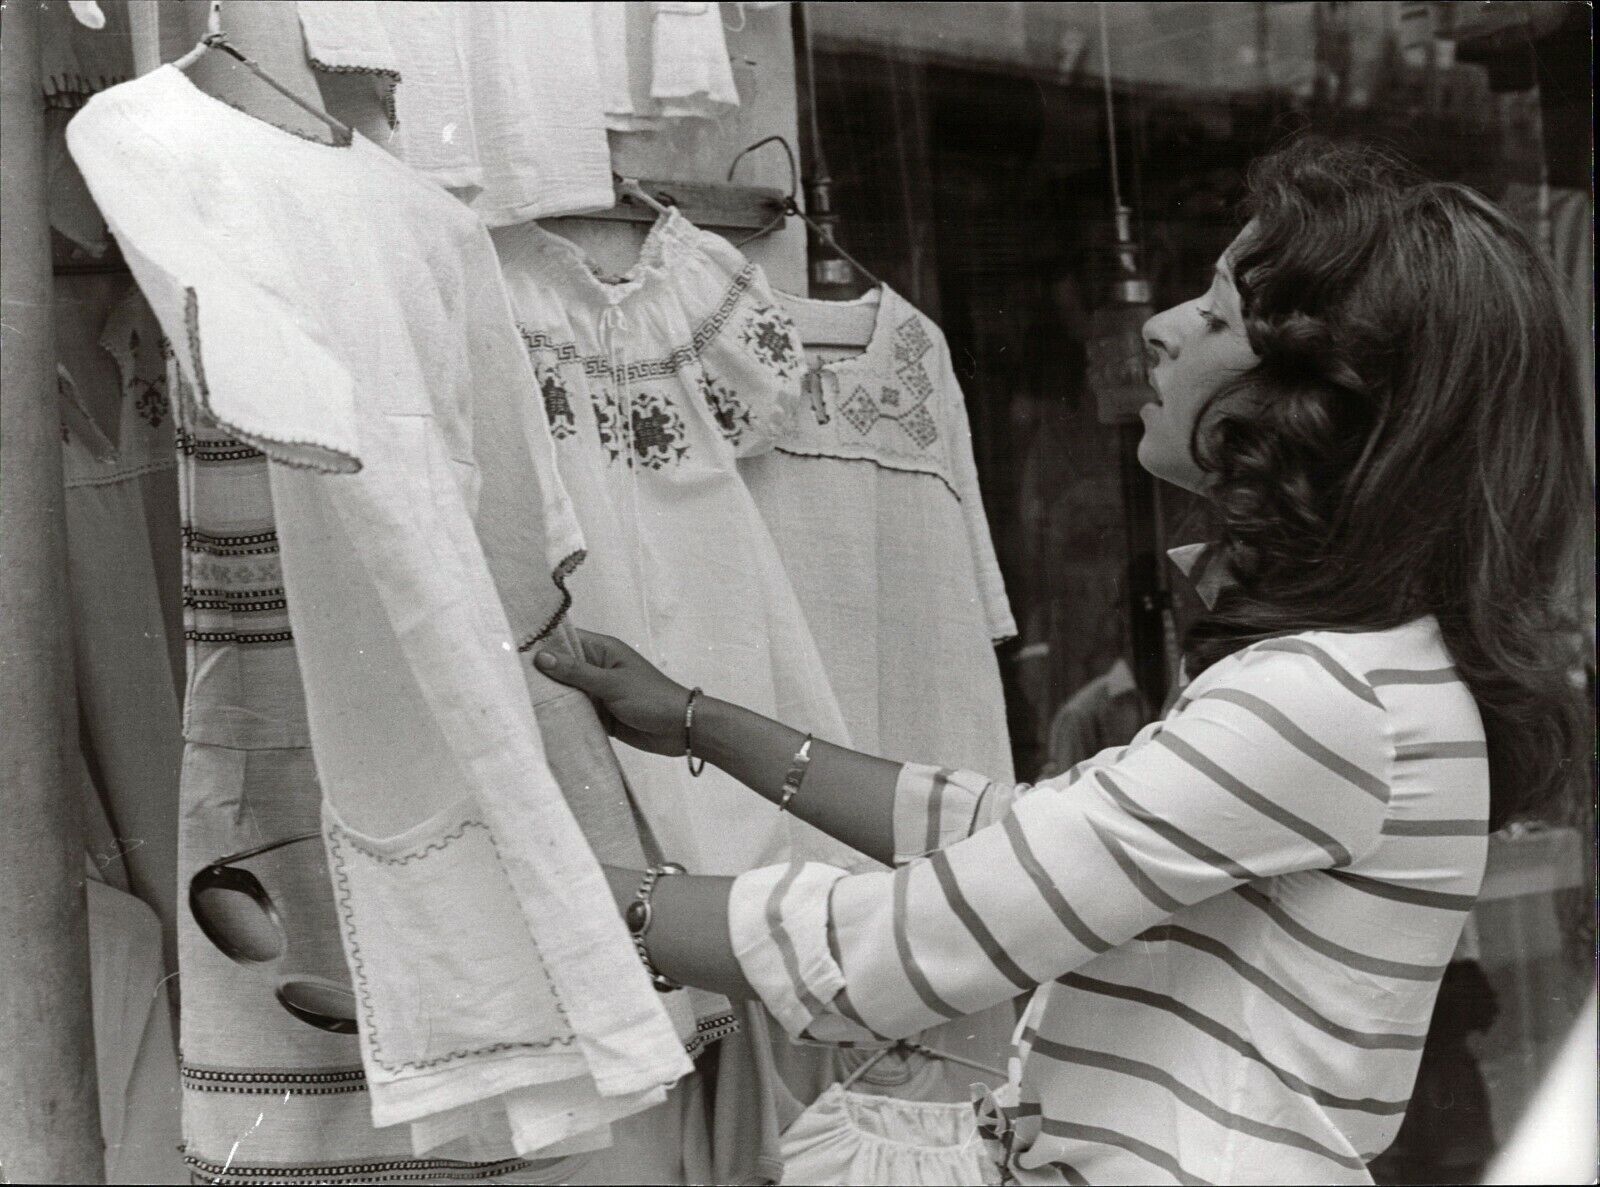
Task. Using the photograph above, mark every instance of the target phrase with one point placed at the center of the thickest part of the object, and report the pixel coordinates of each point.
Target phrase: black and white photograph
(879, 594)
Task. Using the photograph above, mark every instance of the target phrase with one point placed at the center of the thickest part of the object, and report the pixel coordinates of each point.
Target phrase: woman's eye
(1212, 321)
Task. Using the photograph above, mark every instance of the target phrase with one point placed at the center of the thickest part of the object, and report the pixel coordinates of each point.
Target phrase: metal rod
(49, 1102)
(1111, 115)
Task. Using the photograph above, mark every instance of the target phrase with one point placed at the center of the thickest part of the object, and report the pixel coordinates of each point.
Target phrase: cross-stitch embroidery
(770, 337)
(558, 407)
(729, 411)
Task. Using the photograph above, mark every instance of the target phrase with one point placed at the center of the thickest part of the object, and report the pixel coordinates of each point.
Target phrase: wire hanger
(215, 38)
(908, 1047)
(791, 208)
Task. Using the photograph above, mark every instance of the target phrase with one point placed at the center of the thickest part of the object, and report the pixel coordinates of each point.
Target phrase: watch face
(636, 916)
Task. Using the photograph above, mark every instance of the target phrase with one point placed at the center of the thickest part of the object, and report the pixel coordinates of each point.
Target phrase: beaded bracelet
(688, 735)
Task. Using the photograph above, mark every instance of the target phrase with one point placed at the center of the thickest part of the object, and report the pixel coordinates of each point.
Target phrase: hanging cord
(1111, 115)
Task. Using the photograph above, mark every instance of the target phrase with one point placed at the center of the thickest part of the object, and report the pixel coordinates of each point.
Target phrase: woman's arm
(849, 796)
(688, 938)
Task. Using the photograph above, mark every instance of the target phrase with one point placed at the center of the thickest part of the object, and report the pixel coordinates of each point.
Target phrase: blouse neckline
(880, 327)
(240, 113)
(613, 288)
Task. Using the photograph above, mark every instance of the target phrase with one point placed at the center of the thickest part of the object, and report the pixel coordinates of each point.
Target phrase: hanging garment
(136, 1061)
(690, 74)
(75, 61)
(499, 100)
(871, 494)
(122, 530)
(652, 383)
(851, 1138)
(490, 963)
(662, 62)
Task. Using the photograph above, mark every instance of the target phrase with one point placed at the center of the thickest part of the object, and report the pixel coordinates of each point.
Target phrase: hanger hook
(788, 151)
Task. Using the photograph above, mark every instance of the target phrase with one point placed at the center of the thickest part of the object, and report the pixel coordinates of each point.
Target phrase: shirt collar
(1197, 562)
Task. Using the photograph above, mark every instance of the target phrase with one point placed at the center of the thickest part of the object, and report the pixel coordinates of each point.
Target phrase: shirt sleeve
(251, 363)
(752, 362)
(1274, 766)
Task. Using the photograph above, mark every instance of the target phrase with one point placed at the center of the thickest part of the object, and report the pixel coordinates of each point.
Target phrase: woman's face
(1194, 349)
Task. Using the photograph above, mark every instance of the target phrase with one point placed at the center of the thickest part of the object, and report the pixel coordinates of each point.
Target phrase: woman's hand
(638, 704)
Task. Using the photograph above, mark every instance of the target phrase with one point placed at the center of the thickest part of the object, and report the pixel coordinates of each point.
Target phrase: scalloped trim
(392, 77)
(559, 576)
(191, 319)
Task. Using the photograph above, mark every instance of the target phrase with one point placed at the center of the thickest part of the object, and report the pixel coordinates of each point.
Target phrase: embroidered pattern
(729, 411)
(608, 419)
(558, 407)
(908, 410)
(658, 436)
(770, 337)
(338, 840)
(151, 404)
(384, 1170)
(274, 1082)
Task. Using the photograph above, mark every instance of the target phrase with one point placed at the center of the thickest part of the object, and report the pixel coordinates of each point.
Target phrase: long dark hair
(1409, 443)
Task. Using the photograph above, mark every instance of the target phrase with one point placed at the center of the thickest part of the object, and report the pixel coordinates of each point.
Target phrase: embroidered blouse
(652, 384)
(1233, 929)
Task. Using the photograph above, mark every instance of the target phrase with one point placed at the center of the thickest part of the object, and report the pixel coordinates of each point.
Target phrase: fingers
(572, 670)
(603, 651)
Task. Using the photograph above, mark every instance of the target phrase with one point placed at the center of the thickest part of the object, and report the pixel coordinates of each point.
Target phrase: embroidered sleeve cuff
(934, 807)
(778, 919)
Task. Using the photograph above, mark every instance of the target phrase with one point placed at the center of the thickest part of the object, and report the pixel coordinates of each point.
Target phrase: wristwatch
(639, 914)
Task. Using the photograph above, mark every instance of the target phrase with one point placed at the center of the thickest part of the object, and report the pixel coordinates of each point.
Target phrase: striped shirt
(1233, 928)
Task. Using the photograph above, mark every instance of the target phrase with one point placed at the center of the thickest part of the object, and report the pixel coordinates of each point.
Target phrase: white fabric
(136, 1061)
(660, 62)
(652, 383)
(407, 374)
(872, 498)
(690, 72)
(499, 100)
(848, 1138)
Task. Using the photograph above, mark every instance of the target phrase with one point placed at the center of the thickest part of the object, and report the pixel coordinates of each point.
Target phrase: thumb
(571, 670)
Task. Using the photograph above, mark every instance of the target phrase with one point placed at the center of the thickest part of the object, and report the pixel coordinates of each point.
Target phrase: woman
(1240, 920)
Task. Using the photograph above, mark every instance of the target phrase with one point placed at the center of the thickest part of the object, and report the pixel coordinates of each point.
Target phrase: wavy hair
(1409, 443)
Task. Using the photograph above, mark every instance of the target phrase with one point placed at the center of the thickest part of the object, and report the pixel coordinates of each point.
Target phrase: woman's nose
(1157, 339)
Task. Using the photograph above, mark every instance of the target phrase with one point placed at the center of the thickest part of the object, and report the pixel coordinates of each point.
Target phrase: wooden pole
(49, 1107)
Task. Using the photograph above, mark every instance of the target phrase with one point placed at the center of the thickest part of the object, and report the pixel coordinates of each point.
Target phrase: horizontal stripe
(1233, 1040)
(1031, 865)
(958, 903)
(841, 1000)
(908, 960)
(785, 942)
(1328, 664)
(1150, 1073)
(1142, 882)
(1380, 677)
(1357, 960)
(934, 804)
(1072, 1131)
(1443, 750)
(1435, 828)
(1366, 1040)
(1410, 895)
(1248, 795)
(1291, 733)
(1193, 846)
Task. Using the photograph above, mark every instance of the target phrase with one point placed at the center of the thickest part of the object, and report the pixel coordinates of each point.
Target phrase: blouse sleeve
(1274, 768)
(251, 362)
(752, 362)
(964, 472)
